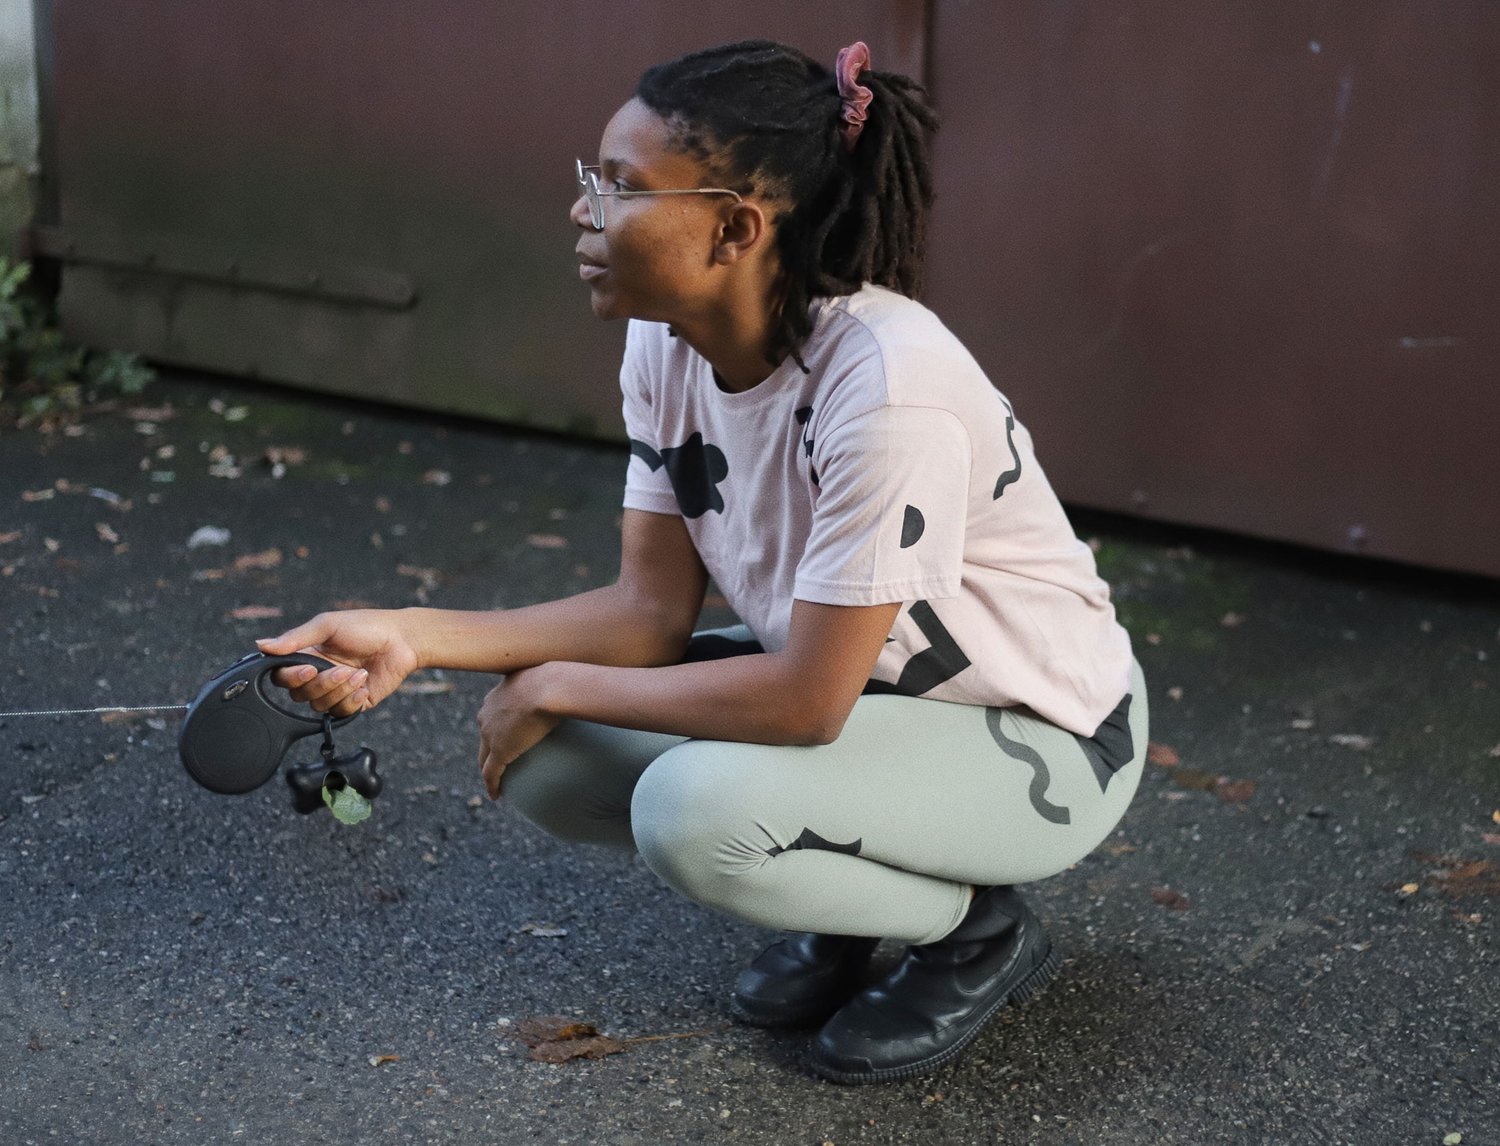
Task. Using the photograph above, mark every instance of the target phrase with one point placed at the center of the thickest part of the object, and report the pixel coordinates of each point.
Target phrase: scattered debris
(106, 534)
(382, 1059)
(1172, 900)
(1302, 724)
(546, 541)
(543, 930)
(1195, 779)
(1232, 620)
(1162, 755)
(558, 1039)
(1456, 876)
(1175, 692)
(436, 477)
(208, 535)
(255, 613)
(266, 559)
(1352, 740)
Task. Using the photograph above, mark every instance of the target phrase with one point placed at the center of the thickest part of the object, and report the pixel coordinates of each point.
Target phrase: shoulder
(894, 345)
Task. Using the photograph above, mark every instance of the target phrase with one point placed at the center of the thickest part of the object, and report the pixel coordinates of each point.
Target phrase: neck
(735, 340)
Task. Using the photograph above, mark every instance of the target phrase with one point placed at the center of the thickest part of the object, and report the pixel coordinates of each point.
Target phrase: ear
(746, 232)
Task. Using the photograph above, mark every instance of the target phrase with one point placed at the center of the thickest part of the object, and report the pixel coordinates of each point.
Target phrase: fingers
(305, 635)
(340, 691)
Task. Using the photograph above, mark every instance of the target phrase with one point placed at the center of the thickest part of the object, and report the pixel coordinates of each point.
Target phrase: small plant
(41, 374)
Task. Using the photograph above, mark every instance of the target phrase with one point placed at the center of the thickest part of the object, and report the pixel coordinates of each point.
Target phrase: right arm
(644, 619)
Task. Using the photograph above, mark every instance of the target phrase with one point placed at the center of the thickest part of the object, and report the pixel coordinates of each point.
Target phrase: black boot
(936, 1000)
(803, 978)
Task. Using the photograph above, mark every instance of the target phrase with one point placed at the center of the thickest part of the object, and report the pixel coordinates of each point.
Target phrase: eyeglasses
(588, 187)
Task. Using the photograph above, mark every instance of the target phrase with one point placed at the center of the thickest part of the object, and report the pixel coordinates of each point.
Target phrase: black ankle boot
(936, 1000)
(803, 978)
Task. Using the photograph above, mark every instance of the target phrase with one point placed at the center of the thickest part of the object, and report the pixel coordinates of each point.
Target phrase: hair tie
(852, 62)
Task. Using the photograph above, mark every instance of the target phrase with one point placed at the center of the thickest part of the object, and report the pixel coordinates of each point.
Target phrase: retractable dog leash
(235, 735)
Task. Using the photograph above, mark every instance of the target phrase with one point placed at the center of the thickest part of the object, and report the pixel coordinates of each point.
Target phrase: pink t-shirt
(890, 471)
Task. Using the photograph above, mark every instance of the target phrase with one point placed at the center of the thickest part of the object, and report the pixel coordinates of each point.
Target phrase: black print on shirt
(809, 840)
(695, 469)
(912, 527)
(929, 668)
(802, 415)
(1041, 776)
(1014, 472)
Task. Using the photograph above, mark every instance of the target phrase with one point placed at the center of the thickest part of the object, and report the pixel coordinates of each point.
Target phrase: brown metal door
(370, 197)
(1238, 264)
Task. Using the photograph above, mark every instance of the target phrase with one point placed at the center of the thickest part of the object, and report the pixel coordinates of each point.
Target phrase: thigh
(958, 792)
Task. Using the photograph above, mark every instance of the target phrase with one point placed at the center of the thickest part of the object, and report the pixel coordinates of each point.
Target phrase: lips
(589, 268)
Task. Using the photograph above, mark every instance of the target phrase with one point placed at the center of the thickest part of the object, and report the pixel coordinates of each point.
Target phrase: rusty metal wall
(369, 197)
(1237, 264)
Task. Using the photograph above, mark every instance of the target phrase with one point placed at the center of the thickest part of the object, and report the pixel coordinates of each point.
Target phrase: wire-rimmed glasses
(588, 187)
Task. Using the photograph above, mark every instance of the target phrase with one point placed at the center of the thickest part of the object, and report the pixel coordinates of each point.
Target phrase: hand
(510, 722)
(371, 655)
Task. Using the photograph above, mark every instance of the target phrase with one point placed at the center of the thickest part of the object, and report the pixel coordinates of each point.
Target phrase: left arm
(801, 695)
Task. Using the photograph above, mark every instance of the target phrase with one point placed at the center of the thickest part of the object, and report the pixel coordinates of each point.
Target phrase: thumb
(305, 635)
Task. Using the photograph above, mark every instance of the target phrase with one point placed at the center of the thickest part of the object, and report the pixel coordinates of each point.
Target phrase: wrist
(409, 623)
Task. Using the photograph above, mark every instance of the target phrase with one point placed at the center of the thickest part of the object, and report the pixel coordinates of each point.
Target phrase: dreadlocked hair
(767, 120)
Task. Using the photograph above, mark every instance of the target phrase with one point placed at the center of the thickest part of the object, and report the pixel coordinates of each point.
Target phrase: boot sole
(1037, 978)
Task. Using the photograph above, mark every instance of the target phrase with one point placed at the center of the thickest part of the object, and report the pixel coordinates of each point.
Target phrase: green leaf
(347, 805)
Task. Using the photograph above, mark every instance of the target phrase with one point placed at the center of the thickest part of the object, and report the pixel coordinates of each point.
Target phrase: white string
(90, 711)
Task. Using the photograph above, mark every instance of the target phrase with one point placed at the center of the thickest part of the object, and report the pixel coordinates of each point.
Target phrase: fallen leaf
(1490, 837)
(556, 1039)
(1153, 638)
(38, 494)
(1172, 900)
(382, 1059)
(106, 534)
(1174, 693)
(1456, 876)
(1352, 740)
(7, 538)
(1235, 791)
(543, 930)
(1454, 1139)
(266, 559)
(1163, 755)
(286, 455)
(546, 541)
(1495, 815)
(208, 575)
(1195, 779)
(1120, 849)
(437, 477)
(1408, 889)
(1302, 724)
(1232, 620)
(1495, 753)
(255, 613)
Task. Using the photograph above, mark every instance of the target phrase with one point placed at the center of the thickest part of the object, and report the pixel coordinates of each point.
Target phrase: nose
(580, 213)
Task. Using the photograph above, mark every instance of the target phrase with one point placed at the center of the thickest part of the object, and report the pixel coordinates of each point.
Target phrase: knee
(691, 826)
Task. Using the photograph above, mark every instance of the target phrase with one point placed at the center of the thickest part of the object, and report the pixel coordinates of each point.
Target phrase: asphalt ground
(1290, 939)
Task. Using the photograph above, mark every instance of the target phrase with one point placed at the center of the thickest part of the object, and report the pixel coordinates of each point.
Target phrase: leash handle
(236, 731)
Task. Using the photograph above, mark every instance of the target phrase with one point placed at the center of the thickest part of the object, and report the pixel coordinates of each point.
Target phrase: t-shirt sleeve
(647, 485)
(889, 520)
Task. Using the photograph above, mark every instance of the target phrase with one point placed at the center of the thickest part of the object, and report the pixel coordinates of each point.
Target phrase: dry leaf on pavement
(1163, 755)
(1172, 900)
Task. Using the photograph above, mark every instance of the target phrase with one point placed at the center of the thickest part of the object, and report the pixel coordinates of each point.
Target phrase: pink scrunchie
(851, 62)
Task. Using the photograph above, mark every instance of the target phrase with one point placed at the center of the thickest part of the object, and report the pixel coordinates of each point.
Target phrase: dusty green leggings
(880, 833)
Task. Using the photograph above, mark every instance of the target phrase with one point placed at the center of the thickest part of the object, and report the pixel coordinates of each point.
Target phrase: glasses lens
(588, 187)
